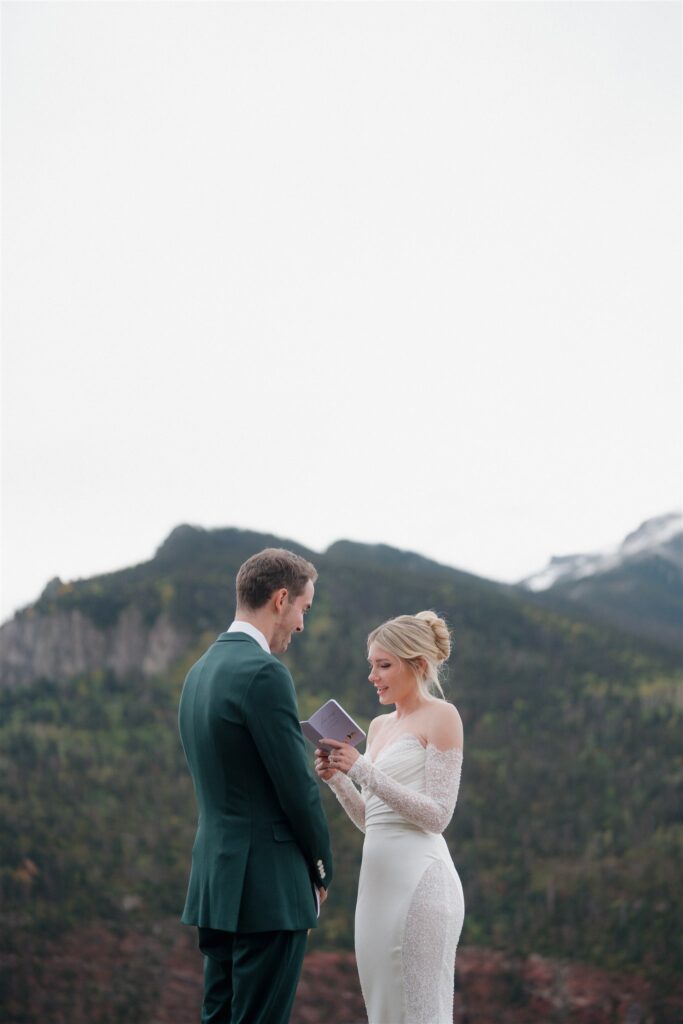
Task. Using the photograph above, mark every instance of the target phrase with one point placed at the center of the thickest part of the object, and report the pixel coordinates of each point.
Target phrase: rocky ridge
(65, 644)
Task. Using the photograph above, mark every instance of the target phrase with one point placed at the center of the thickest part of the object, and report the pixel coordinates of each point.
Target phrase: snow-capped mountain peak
(652, 537)
(652, 534)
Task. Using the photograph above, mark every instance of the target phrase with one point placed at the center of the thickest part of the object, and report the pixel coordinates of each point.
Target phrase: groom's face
(291, 619)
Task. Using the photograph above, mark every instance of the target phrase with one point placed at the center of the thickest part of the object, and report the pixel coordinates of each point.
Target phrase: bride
(410, 907)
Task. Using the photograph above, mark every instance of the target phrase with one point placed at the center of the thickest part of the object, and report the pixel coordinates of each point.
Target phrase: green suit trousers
(250, 978)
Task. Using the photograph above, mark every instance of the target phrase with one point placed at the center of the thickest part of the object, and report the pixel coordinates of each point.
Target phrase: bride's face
(392, 678)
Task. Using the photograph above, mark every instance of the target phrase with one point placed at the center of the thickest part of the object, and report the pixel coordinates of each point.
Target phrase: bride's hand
(322, 765)
(342, 756)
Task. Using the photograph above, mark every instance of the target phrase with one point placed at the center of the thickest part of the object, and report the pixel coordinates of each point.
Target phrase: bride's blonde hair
(417, 639)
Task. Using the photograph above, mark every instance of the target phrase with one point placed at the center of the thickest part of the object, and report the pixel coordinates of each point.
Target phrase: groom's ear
(279, 599)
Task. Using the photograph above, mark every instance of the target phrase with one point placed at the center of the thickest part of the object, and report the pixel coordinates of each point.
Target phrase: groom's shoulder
(230, 653)
(269, 680)
(240, 651)
(239, 646)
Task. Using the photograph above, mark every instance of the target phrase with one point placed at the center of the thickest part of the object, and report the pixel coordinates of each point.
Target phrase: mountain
(637, 586)
(567, 834)
(138, 620)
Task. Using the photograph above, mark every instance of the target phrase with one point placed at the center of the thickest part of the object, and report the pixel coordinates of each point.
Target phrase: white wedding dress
(410, 907)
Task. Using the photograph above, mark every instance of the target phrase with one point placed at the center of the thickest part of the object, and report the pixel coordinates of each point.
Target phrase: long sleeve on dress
(431, 810)
(349, 797)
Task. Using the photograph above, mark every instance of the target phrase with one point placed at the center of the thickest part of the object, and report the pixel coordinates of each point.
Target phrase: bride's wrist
(358, 770)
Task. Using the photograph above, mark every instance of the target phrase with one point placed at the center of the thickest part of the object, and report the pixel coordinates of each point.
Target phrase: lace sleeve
(431, 810)
(349, 797)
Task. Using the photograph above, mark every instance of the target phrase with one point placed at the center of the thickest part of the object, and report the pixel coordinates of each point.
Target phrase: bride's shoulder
(377, 724)
(444, 726)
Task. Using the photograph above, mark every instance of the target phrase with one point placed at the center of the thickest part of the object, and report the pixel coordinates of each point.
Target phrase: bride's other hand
(342, 756)
(322, 765)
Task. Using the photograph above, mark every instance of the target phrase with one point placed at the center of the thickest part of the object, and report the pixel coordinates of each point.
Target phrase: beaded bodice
(404, 762)
(408, 784)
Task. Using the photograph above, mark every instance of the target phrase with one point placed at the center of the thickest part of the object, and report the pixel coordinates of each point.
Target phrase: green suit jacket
(262, 841)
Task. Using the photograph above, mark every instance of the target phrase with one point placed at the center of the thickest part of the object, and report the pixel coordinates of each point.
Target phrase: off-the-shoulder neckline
(410, 736)
(388, 746)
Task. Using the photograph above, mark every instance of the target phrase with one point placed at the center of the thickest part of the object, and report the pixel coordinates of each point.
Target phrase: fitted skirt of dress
(409, 916)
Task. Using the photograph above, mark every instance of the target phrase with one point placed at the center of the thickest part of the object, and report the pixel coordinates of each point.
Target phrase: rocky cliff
(65, 644)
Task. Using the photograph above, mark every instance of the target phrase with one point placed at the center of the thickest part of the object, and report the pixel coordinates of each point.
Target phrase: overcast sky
(390, 272)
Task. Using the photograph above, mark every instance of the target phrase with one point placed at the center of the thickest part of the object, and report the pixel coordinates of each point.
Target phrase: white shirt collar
(238, 626)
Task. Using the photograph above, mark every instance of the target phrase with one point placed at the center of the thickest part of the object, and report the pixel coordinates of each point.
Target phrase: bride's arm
(349, 797)
(433, 809)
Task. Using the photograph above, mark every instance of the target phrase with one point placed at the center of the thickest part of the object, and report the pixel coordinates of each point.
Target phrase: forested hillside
(567, 836)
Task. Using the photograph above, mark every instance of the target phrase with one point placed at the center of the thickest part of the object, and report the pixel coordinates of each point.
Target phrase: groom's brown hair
(270, 570)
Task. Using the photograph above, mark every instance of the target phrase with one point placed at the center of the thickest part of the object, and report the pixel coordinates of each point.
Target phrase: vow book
(332, 722)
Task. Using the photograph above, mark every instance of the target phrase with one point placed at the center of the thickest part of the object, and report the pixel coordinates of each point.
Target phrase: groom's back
(228, 774)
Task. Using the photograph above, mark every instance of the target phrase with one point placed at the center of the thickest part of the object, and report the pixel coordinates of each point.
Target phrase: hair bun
(442, 636)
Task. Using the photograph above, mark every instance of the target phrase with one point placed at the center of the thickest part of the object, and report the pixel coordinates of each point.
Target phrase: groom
(261, 860)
